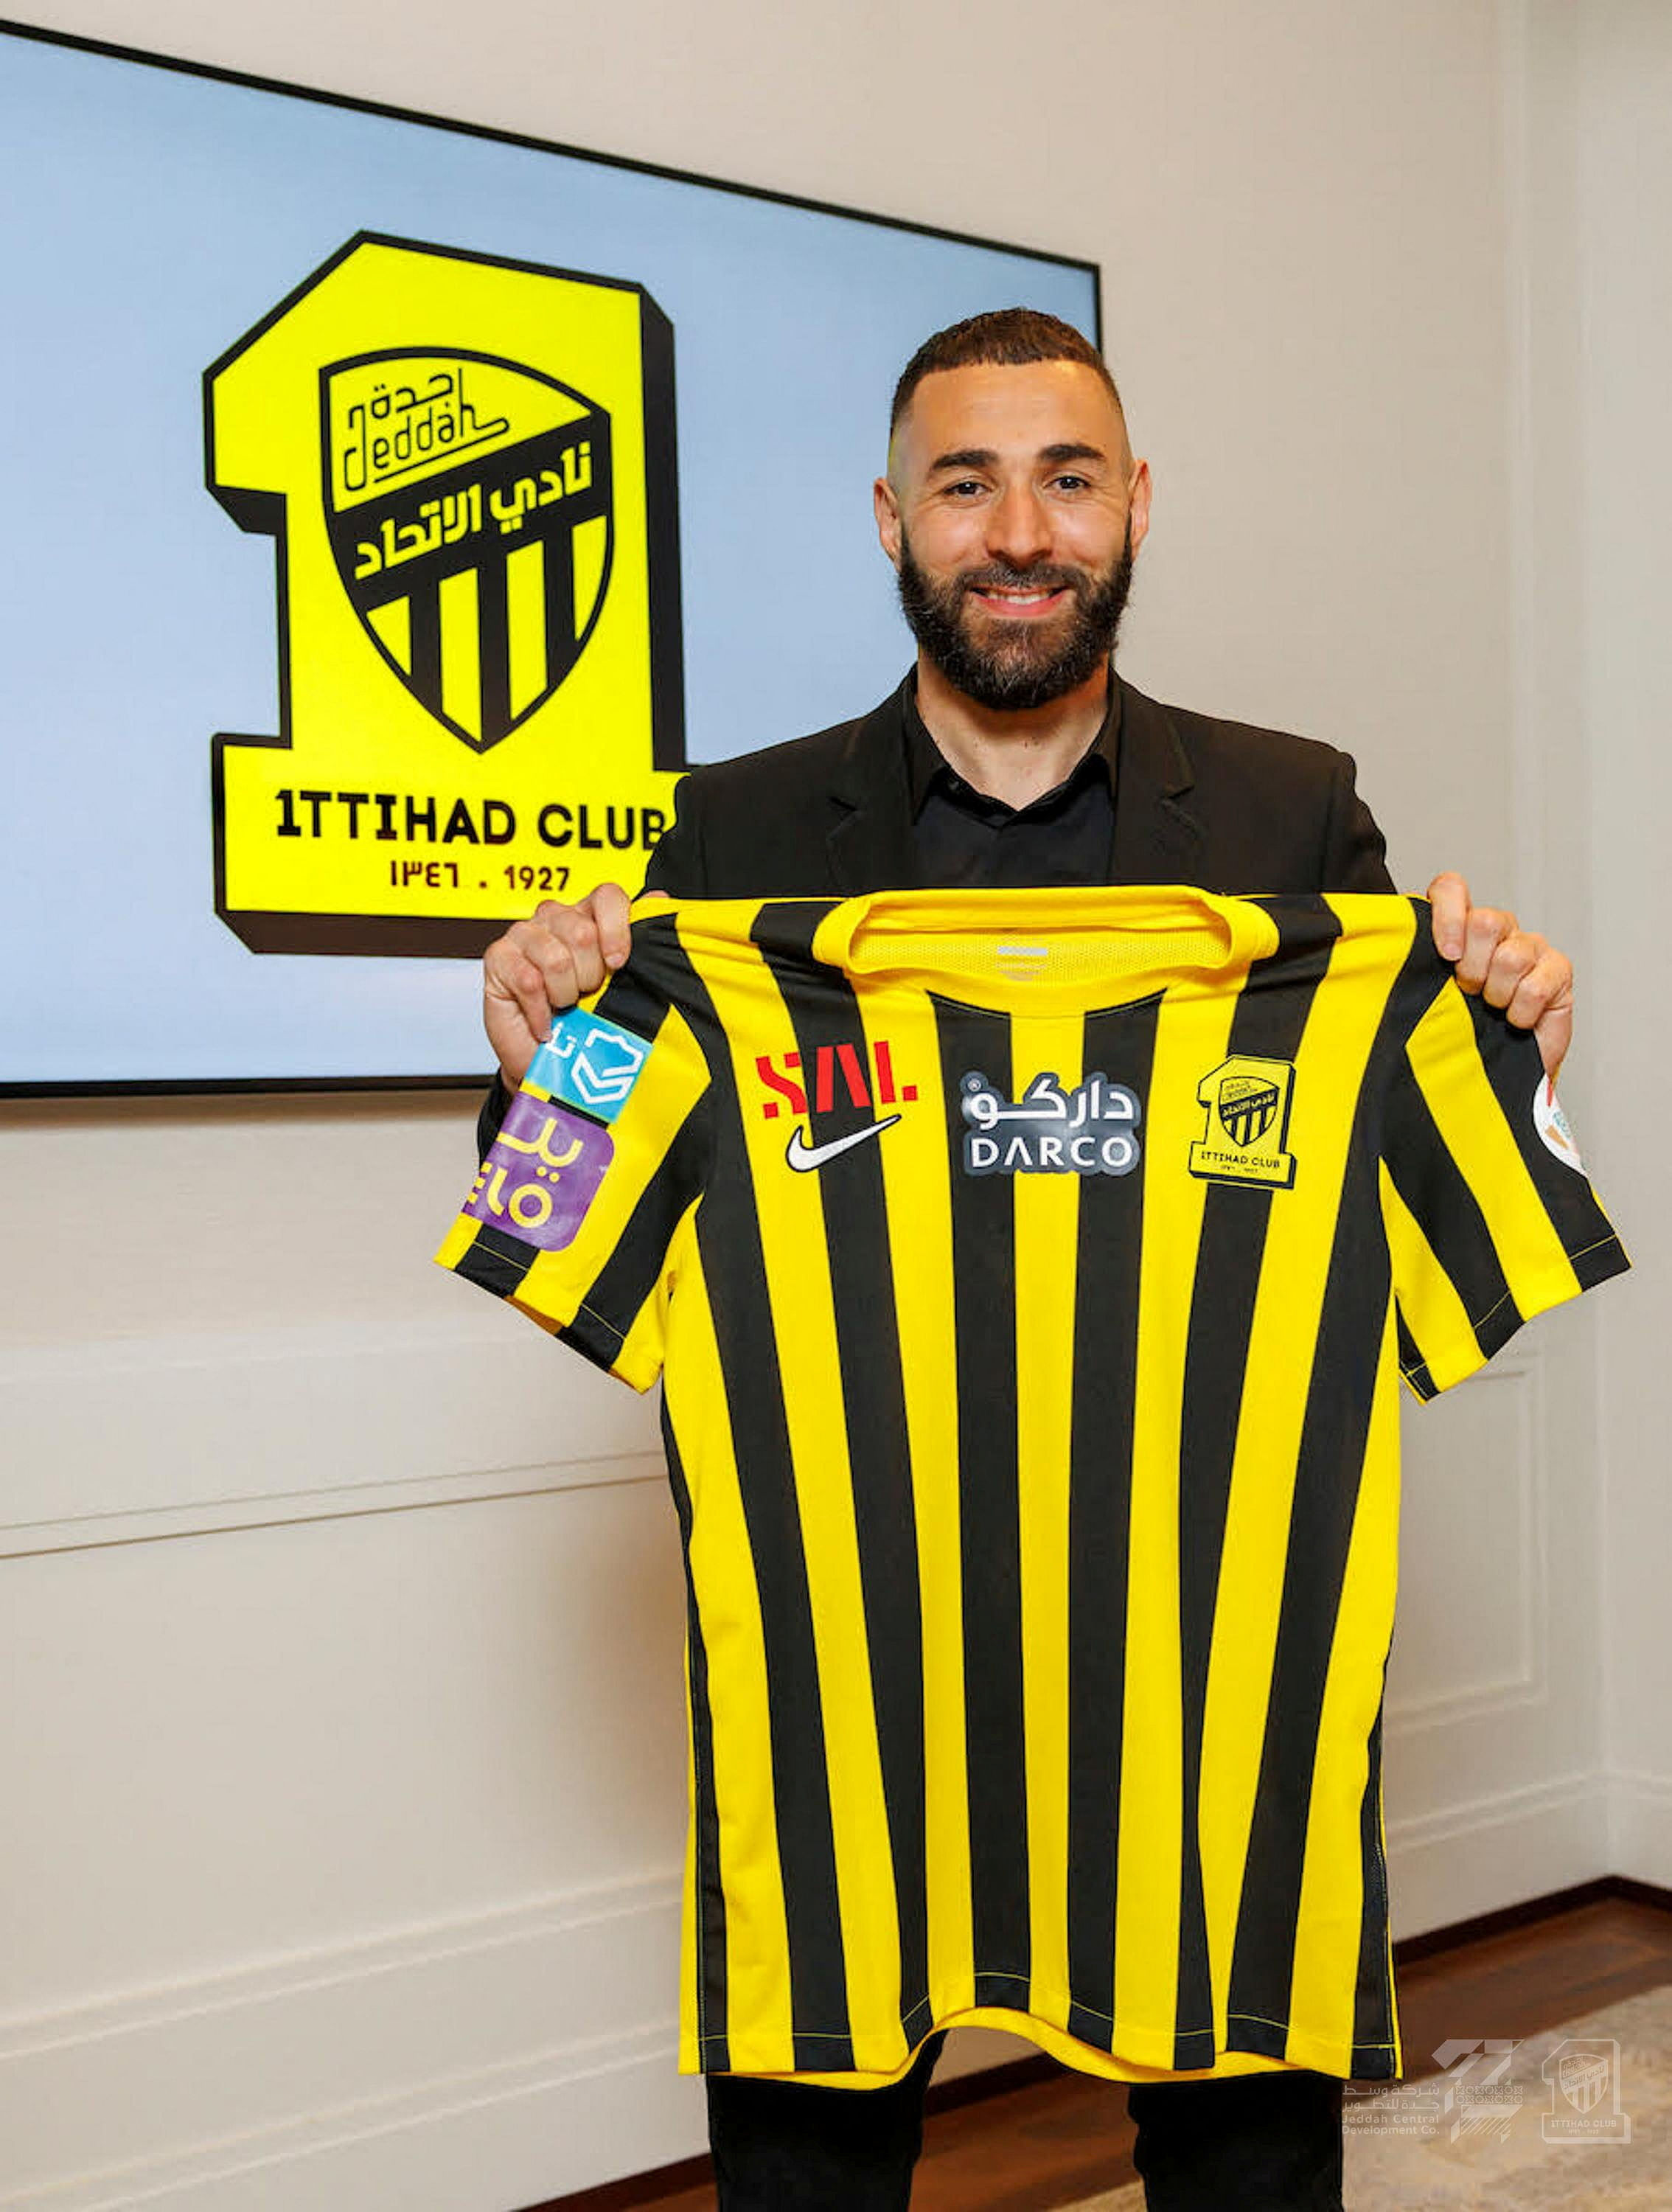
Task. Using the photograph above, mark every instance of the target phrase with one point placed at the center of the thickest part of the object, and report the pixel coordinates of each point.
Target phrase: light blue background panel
(153, 215)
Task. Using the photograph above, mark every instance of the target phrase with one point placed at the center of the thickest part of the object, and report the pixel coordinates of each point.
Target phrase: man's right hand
(545, 964)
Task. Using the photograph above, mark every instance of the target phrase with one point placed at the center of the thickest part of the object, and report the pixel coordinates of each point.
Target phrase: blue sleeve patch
(588, 1062)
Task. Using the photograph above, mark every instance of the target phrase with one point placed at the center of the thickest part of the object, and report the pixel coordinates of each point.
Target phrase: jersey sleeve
(1490, 1215)
(579, 1212)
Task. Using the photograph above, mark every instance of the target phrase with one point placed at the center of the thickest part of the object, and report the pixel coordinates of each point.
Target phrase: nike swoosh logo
(802, 1155)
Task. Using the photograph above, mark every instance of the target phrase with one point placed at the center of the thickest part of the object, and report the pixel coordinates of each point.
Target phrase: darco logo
(1090, 1130)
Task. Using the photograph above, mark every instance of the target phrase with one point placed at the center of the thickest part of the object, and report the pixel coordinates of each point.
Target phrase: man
(1013, 756)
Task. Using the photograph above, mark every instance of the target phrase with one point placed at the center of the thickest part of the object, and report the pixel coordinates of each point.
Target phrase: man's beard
(1023, 667)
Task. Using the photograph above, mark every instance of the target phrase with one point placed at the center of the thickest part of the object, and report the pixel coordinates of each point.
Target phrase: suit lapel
(871, 848)
(1157, 839)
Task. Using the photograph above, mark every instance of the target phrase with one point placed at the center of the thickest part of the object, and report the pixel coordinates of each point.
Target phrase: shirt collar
(928, 766)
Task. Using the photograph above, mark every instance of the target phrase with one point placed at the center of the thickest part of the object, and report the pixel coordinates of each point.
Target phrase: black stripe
(560, 646)
(424, 600)
(661, 529)
(714, 2044)
(989, 1527)
(789, 926)
(1329, 1471)
(1445, 1209)
(630, 1275)
(734, 1268)
(1120, 1044)
(637, 999)
(637, 995)
(1269, 1020)
(495, 1260)
(825, 1012)
(1373, 2000)
(493, 645)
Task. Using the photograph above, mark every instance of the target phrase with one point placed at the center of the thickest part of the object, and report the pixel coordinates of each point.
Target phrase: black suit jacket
(1222, 806)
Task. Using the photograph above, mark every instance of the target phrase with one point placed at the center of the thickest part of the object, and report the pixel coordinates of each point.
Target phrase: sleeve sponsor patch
(588, 1062)
(542, 1174)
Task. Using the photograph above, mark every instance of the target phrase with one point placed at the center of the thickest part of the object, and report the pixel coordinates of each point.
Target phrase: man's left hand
(1515, 968)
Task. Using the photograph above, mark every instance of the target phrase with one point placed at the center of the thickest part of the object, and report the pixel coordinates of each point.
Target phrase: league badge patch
(588, 1062)
(1555, 1132)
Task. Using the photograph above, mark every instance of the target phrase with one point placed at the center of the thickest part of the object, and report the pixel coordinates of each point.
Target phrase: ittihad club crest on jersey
(1247, 1107)
(468, 503)
(1247, 1099)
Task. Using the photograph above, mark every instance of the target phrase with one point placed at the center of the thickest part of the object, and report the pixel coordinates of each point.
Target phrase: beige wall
(1623, 168)
(345, 1871)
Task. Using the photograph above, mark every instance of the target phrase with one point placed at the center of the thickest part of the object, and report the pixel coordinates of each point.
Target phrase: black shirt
(965, 840)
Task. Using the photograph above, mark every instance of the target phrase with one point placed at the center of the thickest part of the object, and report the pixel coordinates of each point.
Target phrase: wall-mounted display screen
(394, 510)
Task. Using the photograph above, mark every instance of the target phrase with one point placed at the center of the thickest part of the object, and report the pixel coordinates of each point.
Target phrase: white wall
(343, 1762)
(1624, 142)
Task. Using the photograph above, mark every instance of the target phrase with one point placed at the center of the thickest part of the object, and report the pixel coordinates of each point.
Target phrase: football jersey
(1031, 1276)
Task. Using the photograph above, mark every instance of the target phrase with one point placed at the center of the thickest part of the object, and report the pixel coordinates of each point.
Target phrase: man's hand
(1514, 969)
(543, 965)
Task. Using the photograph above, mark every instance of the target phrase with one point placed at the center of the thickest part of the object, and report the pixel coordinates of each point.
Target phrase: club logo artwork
(467, 465)
(1248, 1101)
(468, 506)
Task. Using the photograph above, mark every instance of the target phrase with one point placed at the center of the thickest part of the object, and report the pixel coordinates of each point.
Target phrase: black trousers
(1251, 2142)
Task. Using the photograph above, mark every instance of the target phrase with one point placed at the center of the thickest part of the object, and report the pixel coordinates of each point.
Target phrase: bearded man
(1013, 755)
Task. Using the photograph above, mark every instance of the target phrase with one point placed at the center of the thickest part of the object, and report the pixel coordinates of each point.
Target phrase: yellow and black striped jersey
(1031, 1275)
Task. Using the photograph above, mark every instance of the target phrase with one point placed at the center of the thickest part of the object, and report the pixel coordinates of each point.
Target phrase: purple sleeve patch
(542, 1175)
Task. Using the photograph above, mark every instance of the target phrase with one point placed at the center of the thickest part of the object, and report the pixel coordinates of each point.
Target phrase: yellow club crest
(1248, 1100)
(468, 467)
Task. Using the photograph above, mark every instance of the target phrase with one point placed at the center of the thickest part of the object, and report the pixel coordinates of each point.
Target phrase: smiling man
(1013, 756)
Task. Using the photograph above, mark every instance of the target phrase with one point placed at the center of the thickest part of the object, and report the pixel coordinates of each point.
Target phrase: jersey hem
(1590, 1265)
(1302, 2050)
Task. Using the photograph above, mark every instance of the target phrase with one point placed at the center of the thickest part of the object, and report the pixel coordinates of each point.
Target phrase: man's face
(1012, 510)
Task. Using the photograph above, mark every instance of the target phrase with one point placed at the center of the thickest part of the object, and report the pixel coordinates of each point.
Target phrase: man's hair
(1007, 338)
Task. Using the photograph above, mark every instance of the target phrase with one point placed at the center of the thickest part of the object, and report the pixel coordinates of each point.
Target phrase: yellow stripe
(461, 652)
(689, 2061)
(1340, 1028)
(1429, 1305)
(790, 1210)
(1047, 1218)
(591, 542)
(1446, 1060)
(393, 623)
(525, 614)
(1326, 1959)
(917, 1188)
(757, 1934)
(1190, 1038)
